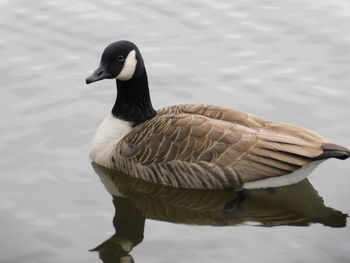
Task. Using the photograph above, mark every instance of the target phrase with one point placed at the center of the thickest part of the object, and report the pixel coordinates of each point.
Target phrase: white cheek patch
(129, 67)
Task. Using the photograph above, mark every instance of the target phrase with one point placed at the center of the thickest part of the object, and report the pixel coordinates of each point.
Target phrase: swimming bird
(196, 146)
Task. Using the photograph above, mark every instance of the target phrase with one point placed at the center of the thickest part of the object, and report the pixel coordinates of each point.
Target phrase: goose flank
(196, 146)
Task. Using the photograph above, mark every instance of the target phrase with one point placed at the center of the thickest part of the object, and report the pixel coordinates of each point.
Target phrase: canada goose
(196, 146)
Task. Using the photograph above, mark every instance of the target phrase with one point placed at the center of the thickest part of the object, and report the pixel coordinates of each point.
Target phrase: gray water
(283, 60)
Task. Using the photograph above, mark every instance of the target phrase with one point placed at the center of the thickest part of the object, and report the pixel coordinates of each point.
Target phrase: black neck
(133, 102)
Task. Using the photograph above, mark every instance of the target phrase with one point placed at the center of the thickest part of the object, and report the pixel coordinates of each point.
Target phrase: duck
(196, 146)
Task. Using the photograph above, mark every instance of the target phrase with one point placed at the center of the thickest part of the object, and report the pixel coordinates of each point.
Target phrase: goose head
(120, 60)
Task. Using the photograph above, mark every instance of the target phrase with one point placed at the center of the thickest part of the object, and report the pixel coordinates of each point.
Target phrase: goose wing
(201, 146)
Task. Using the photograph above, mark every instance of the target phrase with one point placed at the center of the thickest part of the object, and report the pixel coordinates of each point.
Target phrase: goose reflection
(137, 200)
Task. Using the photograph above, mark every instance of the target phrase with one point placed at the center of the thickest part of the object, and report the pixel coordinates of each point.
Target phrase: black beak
(99, 74)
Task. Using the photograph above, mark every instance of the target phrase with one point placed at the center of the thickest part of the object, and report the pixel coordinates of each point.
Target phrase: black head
(121, 60)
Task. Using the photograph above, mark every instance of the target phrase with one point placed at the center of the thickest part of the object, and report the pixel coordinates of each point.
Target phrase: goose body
(197, 146)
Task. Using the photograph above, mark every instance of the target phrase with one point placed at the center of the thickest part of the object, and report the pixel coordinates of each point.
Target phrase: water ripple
(282, 60)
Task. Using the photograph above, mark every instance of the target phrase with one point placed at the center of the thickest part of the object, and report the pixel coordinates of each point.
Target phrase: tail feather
(331, 150)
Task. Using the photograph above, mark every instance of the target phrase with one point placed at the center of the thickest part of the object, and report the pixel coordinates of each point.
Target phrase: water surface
(286, 61)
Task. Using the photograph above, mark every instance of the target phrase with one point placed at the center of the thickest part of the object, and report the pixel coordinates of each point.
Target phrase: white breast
(108, 134)
(292, 178)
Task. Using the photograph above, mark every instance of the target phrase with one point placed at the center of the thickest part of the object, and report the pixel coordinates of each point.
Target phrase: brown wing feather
(201, 146)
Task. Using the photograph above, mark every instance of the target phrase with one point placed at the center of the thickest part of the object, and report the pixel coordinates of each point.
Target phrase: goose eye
(120, 58)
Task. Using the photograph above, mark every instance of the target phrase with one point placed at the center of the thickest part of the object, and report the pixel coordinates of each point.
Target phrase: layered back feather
(212, 147)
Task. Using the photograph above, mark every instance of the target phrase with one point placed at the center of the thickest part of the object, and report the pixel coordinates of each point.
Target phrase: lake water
(282, 60)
